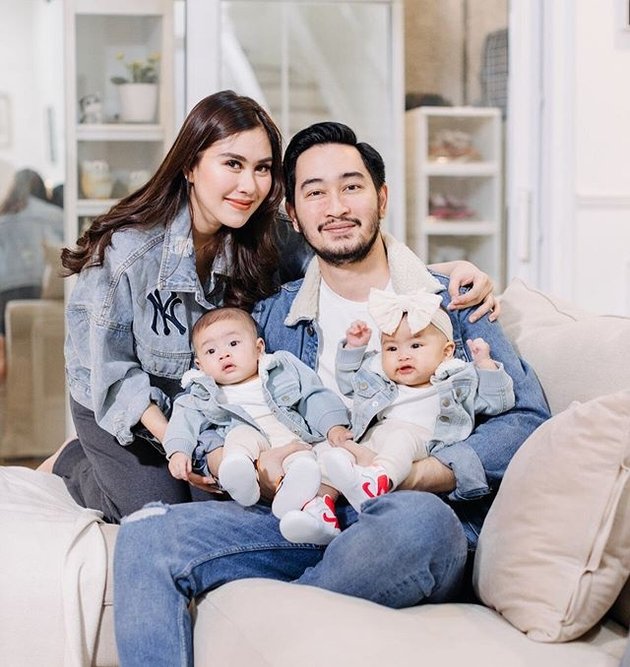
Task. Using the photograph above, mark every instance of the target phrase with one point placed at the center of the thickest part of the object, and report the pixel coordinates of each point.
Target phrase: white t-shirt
(416, 405)
(250, 397)
(335, 315)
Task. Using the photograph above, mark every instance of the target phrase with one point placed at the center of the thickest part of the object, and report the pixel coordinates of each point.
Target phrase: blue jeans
(404, 548)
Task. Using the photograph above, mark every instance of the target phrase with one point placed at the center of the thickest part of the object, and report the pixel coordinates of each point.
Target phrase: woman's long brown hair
(214, 118)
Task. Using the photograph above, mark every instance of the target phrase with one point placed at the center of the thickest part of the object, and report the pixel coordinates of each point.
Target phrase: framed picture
(5, 121)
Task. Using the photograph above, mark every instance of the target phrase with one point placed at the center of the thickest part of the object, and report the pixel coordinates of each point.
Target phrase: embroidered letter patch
(166, 312)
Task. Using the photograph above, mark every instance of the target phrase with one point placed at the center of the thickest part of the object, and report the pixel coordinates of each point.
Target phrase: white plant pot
(138, 102)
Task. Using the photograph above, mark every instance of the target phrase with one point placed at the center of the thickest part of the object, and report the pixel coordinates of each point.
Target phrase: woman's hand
(462, 273)
(270, 470)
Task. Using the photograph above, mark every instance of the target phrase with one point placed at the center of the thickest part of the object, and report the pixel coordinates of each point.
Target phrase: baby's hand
(338, 435)
(480, 351)
(358, 334)
(180, 465)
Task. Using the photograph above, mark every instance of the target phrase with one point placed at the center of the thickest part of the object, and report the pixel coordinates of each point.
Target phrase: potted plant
(138, 91)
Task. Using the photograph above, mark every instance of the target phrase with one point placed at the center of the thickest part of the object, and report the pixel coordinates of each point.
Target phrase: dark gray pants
(102, 474)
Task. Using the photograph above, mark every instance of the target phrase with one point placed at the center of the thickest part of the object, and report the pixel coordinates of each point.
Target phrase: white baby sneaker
(299, 485)
(237, 475)
(357, 483)
(316, 523)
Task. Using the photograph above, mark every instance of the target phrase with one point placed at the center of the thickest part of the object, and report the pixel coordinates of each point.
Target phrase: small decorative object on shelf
(96, 179)
(452, 146)
(138, 92)
(91, 108)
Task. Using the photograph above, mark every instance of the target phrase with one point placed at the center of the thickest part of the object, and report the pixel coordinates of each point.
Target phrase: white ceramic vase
(138, 102)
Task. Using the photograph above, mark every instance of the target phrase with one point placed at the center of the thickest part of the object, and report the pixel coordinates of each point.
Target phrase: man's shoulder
(281, 299)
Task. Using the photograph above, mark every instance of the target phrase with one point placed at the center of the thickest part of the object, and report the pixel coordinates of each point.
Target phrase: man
(412, 545)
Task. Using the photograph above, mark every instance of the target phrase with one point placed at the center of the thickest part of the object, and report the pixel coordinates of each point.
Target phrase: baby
(243, 401)
(411, 398)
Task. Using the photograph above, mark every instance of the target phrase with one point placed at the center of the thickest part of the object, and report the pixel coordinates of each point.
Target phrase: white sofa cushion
(577, 355)
(275, 624)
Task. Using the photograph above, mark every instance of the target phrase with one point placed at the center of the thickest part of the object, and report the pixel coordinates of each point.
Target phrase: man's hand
(463, 273)
(431, 475)
(358, 334)
(337, 435)
(270, 470)
(180, 465)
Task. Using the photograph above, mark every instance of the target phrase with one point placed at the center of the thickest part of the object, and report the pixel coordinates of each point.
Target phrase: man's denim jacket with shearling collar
(288, 320)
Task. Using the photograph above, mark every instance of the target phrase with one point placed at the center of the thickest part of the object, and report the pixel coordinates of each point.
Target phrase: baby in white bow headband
(413, 395)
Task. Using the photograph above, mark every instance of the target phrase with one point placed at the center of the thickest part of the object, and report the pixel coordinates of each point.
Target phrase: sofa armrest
(35, 385)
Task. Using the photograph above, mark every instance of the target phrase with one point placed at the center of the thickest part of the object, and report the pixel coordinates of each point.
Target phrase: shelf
(120, 7)
(467, 169)
(119, 132)
(92, 207)
(459, 227)
(96, 32)
(436, 138)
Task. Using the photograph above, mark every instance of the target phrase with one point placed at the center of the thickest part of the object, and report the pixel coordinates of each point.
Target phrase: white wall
(569, 150)
(602, 156)
(31, 75)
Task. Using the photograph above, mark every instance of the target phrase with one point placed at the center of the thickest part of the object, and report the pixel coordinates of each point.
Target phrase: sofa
(550, 575)
(35, 396)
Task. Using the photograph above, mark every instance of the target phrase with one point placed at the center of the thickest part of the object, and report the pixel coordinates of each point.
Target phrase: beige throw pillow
(577, 355)
(554, 552)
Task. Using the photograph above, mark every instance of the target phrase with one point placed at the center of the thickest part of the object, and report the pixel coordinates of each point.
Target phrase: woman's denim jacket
(129, 323)
(288, 320)
(292, 390)
(463, 390)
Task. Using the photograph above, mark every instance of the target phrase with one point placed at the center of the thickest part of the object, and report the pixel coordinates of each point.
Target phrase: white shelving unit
(470, 225)
(96, 32)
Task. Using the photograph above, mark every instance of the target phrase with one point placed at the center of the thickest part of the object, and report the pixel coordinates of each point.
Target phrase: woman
(146, 271)
(198, 235)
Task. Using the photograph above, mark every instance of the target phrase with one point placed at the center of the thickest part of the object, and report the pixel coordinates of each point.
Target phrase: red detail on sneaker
(330, 517)
(382, 486)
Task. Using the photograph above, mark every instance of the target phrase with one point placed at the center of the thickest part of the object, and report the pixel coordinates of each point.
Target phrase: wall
(602, 157)
(31, 75)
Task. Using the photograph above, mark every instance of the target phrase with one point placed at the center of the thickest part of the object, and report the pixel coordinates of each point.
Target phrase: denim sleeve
(480, 461)
(120, 388)
(347, 363)
(184, 427)
(495, 392)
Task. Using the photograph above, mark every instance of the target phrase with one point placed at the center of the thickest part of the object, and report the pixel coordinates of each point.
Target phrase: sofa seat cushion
(263, 623)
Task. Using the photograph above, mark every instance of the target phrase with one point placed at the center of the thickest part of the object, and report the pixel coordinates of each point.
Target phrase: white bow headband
(422, 308)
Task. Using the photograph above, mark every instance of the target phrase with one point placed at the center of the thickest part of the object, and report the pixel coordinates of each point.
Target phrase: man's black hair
(329, 133)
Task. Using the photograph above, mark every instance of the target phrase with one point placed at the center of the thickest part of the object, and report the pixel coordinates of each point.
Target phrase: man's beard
(341, 256)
